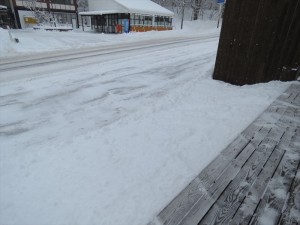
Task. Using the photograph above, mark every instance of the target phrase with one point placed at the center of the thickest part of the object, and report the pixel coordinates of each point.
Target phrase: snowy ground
(40, 41)
(113, 142)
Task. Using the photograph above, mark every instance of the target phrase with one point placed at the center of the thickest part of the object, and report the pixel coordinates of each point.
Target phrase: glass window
(163, 21)
(159, 21)
(132, 19)
(137, 19)
(60, 2)
(64, 18)
(148, 20)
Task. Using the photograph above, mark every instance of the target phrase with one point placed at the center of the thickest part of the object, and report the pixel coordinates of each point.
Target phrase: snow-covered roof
(3, 7)
(146, 7)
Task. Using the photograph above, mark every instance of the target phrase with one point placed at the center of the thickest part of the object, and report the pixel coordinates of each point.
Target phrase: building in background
(64, 11)
(4, 19)
(7, 18)
(83, 6)
(118, 16)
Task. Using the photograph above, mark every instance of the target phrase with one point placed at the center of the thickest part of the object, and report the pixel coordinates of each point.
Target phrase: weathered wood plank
(287, 140)
(182, 204)
(218, 186)
(258, 136)
(290, 118)
(293, 97)
(286, 95)
(231, 199)
(211, 195)
(291, 211)
(185, 203)
(273, 200)
(290, 95)
(276, 107)
(217, 167)
(226, 156)
(196, 196)
(296, 100)
(295, 143)
(272, 114)
(261, 153)
(252, 130)
(245, 212)
(247, 208)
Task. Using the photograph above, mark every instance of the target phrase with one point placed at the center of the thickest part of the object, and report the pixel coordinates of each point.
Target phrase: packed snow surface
(6, 45)
(113, 142)
(41, 41)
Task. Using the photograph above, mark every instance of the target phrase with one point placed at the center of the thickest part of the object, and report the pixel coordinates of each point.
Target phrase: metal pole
(182, 14)
(12, 7)
(220, 12)
(82, 23)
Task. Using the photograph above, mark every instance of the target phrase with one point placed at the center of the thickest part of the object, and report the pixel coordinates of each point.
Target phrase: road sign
(220, 1)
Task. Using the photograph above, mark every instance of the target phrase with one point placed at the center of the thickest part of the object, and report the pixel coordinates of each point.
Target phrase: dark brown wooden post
(259, 42)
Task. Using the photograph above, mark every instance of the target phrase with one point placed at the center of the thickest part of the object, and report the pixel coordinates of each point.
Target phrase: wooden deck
(255, 180)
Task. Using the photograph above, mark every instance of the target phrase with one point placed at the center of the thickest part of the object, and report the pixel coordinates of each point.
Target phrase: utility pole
(220, 12)
(12, 7)
(220, 3)
(182, 14)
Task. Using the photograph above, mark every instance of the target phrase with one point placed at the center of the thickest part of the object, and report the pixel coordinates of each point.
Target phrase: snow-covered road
(114, 138)
(12, 68)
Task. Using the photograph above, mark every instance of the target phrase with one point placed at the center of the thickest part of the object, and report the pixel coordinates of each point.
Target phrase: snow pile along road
(6, 45)
(40, 41)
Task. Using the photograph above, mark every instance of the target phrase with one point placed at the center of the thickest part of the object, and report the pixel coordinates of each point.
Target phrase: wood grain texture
(291, 210)
(195, 191)
(232, 198)
(273, 200)
(244, 214)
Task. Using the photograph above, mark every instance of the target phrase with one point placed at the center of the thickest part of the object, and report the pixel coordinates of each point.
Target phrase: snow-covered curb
(6, 43)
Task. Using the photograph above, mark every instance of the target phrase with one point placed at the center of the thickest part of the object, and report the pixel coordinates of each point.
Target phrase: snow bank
(36, 41)
(6, 45)
(198, 26)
